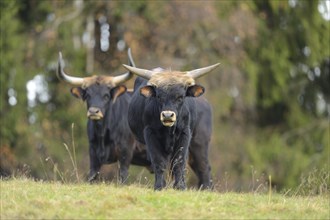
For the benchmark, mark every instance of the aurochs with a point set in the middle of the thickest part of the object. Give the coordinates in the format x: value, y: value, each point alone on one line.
x: 166, y: 115
x: 110, y: 138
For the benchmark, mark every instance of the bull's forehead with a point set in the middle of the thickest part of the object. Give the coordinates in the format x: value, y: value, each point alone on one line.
x: 171, y: 91
x: 97, y: 88
x: 168, y: 78
x: 97, y: 91
x: 97, y: 80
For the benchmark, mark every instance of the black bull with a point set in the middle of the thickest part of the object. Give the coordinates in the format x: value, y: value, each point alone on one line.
x: 165, y: 115
x: 110, y: 138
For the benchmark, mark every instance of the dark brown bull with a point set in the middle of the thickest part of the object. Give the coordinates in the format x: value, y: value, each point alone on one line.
x: 165, y: 114
x: 110, y: 138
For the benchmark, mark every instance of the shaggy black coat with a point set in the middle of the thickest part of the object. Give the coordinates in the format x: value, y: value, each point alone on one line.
x: 110, y: 138
x: 169, y: 146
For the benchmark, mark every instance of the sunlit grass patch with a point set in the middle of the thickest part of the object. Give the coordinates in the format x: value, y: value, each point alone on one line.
x: 25, y: 198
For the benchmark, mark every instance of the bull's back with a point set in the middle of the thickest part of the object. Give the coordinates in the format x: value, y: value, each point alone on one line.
x: 135, y: 111
x: 203, y: 125
x: 117, y: 124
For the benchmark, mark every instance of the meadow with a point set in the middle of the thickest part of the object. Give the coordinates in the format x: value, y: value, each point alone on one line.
x: 24, y: 198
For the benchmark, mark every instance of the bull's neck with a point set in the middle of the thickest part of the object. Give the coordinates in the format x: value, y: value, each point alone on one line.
x: 170, y: 140
x: 100, y: 126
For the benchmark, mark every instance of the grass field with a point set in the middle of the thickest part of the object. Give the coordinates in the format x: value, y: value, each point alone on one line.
x: 27, y: 199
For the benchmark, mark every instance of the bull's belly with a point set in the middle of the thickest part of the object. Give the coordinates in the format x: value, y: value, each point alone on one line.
x: 108, y: 155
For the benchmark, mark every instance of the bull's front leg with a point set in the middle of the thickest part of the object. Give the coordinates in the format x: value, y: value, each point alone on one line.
x: 178, y: 165
x: 94, y: 163
x: 157, y: 157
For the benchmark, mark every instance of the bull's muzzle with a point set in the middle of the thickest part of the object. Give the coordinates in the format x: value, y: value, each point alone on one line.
x: 94, y: 113
x: 168, y: 118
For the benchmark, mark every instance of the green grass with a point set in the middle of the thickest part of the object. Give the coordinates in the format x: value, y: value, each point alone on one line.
x: 27, y: 199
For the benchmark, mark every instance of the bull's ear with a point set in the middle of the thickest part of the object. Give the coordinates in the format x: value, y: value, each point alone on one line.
x: 195, y: 91
x: 147, y: 91
x: 117, y: 91
x: 78, y: 92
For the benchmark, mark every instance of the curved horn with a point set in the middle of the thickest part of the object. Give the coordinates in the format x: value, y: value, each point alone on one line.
x: 202, y: 71
x: 140, y: 72
x: 116, y: 80
x: 130, y: 58
x: 63, y: 76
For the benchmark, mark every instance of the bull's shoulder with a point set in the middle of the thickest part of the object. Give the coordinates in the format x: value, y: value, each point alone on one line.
x: 202, y: 102
x: 138, y: 83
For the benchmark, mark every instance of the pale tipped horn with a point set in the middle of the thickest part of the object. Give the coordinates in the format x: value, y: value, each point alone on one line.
x: 130, y: 58
x: 202, y: 71
x: 63, y: 76
x: 140, y: 72
x: 116, y: 80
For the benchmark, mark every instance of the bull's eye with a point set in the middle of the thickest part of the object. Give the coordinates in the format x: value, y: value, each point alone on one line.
x: 179, y: 99
x: 106, y: 97
x: 87, y: 96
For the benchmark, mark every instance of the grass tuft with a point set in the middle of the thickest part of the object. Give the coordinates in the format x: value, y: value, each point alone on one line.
x: 73, y: 158
x: 315, y: 182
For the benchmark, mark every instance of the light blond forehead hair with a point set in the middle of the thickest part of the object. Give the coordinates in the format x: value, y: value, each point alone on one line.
x: 169, y: 78
x: 101, y: 80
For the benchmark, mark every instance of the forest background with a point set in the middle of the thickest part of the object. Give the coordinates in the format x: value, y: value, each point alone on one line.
x: 270, y: 96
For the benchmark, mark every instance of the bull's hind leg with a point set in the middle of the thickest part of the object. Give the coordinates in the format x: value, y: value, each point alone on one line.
x: 126, y: 150
x: 123, y: 172
x: 199, y: 162
x: 125, y: 159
